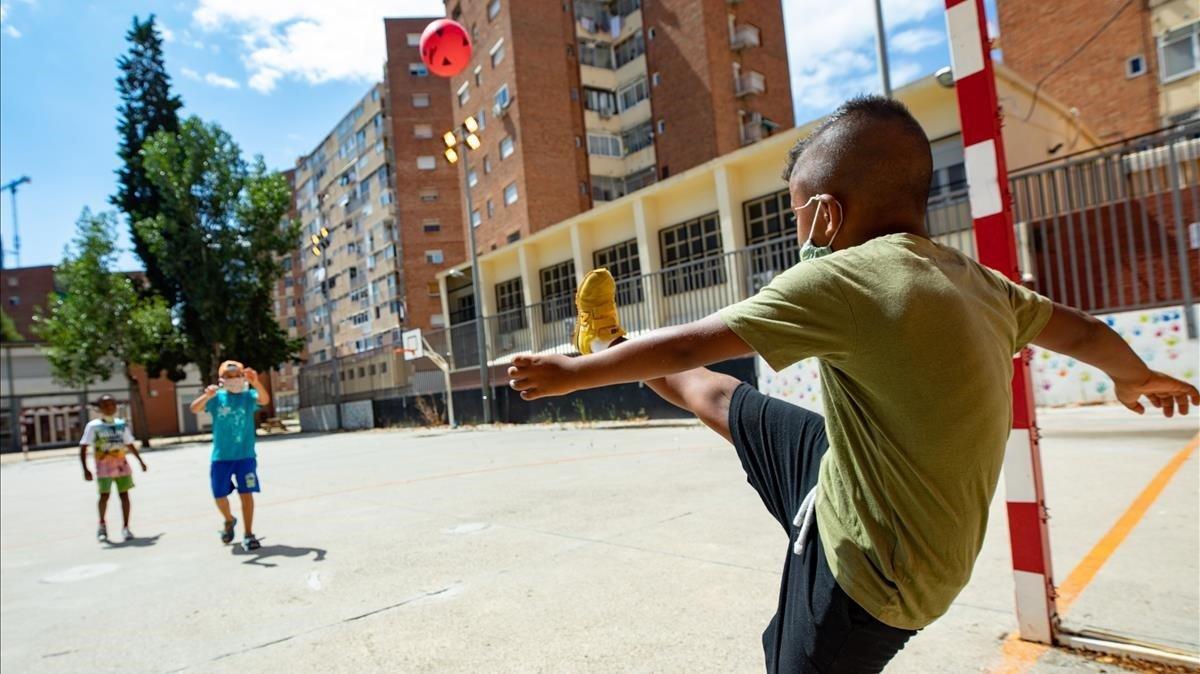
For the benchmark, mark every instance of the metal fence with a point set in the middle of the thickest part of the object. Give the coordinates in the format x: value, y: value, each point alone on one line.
x: 1107, y: 230
x: 1102, y: 231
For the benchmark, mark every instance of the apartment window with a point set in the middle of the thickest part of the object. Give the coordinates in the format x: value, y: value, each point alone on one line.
x: 1179, y: 52
x: 655, y: 79
x: 487, y: 164
x: 662, y: 126
x: 481, y: 118
x: 1135, y: 66
x: 431, y: 226
x: 632, y: 94
x: 510, y: 194
x: 464, y: 94
x: 476, y: 219
x: 420, y: 100
x: 629, y: 49
x: 428, y: 196
x: 506, y: 147
x: 604, y: 145
x: 418, y: 70
x: 491, y: 209
x: 497, y: 52
x: 472, y: 178
x: 422, y: 131
x: 509, y: 302
x: 493, y: 9
x: 650, y: 34
x: 501, y: 99
x: 602, y: 101
x: 413, y: 39
x: 595, y: 54
x: 638, y: 180
x: 691, y: 255
x: 623, y: 263
x: 432, y: 289
x: 433, y: 256
x: 558, y: 291
x: 513, y: 237
x: 426, y: 162
x: 637, y: 138
x: 478, y: 76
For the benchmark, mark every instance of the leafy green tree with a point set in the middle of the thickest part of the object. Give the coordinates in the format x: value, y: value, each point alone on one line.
x: 8, y: 329
x: 219, y: 233
x: 146, y: 108
x: 99, y: 323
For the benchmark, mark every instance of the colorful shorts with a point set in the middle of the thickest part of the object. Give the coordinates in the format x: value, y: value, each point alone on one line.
x: 223, y: 474
x: 124, y: 483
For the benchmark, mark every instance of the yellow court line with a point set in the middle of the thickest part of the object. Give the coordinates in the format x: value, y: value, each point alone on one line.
x: 1019, y: 655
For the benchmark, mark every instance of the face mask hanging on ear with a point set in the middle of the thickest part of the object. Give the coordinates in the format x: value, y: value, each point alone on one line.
x: 809, y: 250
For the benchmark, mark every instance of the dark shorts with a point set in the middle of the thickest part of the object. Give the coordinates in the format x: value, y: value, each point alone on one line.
x: 817, y: 627
x: 223, y: 474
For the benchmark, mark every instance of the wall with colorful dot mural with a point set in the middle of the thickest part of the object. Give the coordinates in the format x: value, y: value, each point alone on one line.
x: 1158, y: 336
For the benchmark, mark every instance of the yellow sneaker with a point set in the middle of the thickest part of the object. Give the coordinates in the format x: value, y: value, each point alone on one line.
x: 597, y: 323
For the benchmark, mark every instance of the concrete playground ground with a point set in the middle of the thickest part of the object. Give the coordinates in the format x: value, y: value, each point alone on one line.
x: 545, y: 549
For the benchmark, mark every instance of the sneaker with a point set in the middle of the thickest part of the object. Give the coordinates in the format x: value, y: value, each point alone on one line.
x: 227, y: 531
x: 250, y: 543
x: 102, y: 533
x: 597, y: 324
x: 126, y: 534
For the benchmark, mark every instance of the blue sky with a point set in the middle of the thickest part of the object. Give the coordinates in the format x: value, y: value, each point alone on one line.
x: 279, y: 74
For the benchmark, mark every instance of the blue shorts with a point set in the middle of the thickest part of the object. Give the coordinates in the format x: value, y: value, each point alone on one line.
x: 224, y: 473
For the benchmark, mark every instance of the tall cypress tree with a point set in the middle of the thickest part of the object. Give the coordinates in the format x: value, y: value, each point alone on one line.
x: 147, y: 107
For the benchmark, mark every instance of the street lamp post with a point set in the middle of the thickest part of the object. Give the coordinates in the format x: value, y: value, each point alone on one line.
x: 885, y: 77
x: 12, y: 186
x: 320, y: 244
x: 470, y: 141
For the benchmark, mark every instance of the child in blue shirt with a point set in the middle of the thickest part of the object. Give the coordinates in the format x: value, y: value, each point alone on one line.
x: 232, y: 406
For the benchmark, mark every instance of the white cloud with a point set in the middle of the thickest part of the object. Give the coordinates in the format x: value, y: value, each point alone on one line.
x: 314, y: 41
x: 190, y: 74
x: 915, y: 40
x: 831, y: 48
x: 221, y: 81
x: 167, y: 34
x: 12, y: 32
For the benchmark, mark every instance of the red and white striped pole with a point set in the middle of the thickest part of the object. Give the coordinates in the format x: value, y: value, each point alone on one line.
x: 991, y: 209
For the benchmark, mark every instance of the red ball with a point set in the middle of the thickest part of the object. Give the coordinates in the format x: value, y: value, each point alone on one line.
x: 445, y: 47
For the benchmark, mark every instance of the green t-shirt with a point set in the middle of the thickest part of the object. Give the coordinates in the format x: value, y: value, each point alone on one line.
x: 915, y: 343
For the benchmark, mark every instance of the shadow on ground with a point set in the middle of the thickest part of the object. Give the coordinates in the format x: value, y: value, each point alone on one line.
x: 258, y: 557
x: 139, y: 542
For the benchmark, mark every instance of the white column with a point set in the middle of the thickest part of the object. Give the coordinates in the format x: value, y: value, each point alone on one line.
x: 532, y: 291
x: 727, y: 185
x: 645, y: 224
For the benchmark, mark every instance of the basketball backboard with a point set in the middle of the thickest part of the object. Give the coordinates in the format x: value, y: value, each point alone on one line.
x: 414, y: 346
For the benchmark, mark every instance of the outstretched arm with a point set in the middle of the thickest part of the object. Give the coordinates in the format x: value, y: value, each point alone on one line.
x: 657, y: 354
x: 198, y: 404
x: 1084, y: 338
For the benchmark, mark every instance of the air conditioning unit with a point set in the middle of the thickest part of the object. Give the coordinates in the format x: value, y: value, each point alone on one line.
x: 498, y: 111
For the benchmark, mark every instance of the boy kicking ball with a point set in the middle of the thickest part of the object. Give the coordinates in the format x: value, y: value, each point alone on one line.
x: 885, y: 501
x: 232, y: 406
x: 110, y: 437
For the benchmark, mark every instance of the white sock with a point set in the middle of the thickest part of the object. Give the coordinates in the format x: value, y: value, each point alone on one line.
x: 599, y: 345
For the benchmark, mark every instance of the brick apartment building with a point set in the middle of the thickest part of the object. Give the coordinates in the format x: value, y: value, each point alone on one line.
x: 584, y: 102
x: 289, y: 312
x: 1131, y: 76
x: 428, y: 201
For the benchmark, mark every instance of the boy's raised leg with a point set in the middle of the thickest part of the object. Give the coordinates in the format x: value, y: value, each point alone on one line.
x: 702, y: 392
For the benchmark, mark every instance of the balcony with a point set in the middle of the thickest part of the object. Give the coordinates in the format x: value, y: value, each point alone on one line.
x: 752, y: 82
x: 752, y: 128
x: 744, y: 37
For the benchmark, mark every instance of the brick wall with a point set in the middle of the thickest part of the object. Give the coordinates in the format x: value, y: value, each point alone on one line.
x: 409, y: 182
x: 1037, y: 36
x: 22, y: 292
